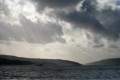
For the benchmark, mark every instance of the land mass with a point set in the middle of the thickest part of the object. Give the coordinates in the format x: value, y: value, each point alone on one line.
x: 13, y: 60
x: 112, y: 61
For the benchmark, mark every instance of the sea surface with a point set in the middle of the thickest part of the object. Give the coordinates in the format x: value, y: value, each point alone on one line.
x: 33, y: 72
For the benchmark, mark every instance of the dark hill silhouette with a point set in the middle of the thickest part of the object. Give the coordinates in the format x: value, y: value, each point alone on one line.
x: 13, y: 60
x: 113, y: 61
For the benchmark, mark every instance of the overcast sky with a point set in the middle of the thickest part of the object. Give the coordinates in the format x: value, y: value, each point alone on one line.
x: 77, y: 30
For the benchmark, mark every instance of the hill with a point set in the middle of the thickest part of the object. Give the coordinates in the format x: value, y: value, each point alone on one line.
x: 13, y: 60
x: 113, y: 61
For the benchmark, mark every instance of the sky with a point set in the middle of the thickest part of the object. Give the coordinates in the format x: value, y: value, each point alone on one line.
x: 78, y: 30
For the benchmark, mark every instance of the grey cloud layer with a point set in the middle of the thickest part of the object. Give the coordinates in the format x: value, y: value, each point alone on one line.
x: 105, y: 22
x: 56, y: 3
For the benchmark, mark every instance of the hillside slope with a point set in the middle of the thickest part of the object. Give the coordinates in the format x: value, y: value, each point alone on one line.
x: 13, y: 60
x: 113, y: 61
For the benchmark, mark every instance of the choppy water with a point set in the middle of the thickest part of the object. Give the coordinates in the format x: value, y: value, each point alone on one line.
x: 59, y: 73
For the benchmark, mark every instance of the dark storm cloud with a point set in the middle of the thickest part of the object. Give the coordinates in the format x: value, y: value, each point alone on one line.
x: 110, y: 21
x: 83, y: 20
x: 106, y: 22
x: 90, y: 18
x: 55, y: 3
